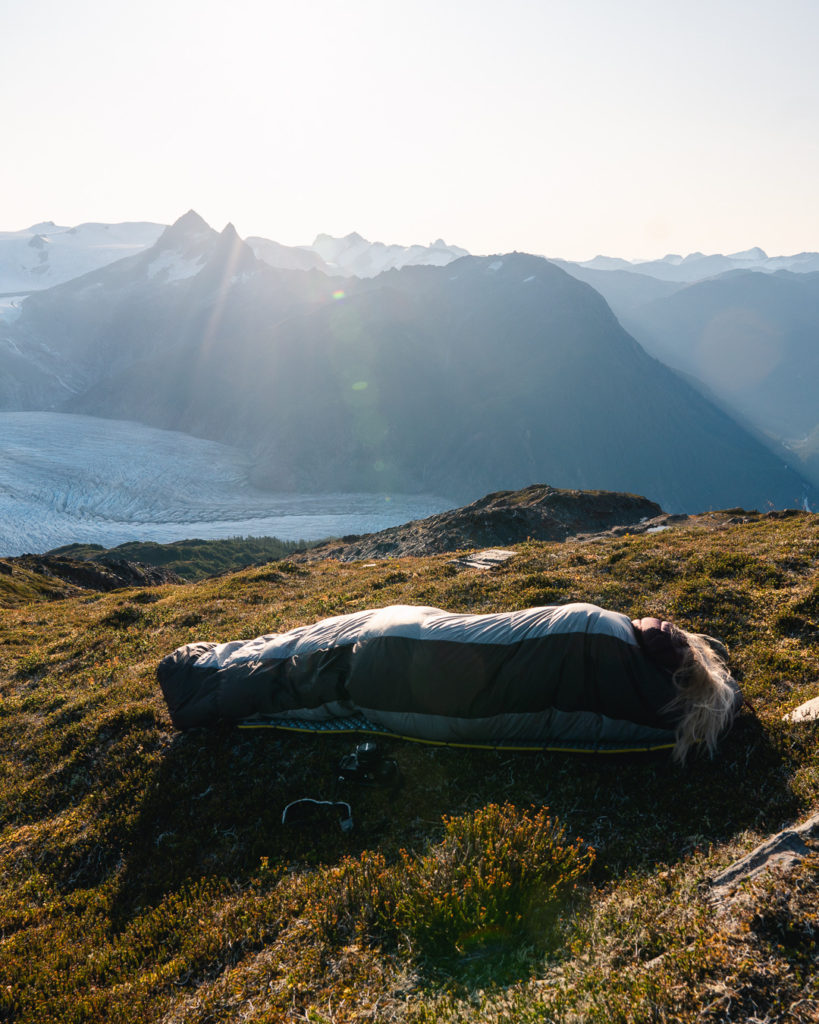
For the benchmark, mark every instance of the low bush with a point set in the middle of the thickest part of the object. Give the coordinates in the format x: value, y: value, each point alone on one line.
x: 497, y: 877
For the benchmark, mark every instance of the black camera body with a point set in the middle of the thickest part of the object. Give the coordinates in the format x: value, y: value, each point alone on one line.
x: 367, y: 766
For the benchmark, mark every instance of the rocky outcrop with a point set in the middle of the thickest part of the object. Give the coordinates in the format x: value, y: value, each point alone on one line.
x: 783, y: 850
x: 807, y: 712
x: 539, y: 512
x: 106, y: 574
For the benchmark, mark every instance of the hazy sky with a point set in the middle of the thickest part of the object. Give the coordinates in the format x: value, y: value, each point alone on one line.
x: 563, y: 128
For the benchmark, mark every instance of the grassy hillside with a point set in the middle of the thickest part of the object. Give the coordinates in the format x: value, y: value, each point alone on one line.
x: 20, y: 586
x: 147, y: 875
x: 193, y: 559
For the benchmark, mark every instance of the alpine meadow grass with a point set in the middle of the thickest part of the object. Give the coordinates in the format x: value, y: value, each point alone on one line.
x: 147, y: 875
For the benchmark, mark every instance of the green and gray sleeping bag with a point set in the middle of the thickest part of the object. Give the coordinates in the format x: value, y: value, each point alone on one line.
x: 563, y: 677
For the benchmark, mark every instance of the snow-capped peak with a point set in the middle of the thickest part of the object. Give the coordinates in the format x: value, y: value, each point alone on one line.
x: 47, y: 254
x: 189, y: 229
x: 190, y: 244
x: 756, y: 254
x: 355, y: 256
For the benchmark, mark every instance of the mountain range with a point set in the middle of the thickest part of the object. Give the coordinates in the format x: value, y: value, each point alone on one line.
x: 47, y: 254
x: 697, y: 265
x: 486, y: 373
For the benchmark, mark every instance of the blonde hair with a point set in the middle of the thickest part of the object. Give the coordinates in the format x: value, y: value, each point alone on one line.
x: 706, y: 698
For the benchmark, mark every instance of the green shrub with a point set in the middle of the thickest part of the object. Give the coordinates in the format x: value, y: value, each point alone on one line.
x: 809, y: 605
x: 194, y: 559
x: 31, y: 664
x: 495, y: 878
x: 121, y: 618
x: 788, y: 624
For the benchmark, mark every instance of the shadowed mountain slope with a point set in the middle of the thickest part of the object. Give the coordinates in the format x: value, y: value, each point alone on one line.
x: 751, y: 338
x: 624, y: 290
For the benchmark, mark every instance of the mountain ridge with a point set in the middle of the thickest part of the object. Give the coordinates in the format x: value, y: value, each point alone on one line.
x: 698, y: 265
x: 537, y: 512
x: 47, y: 254
x: 750, y: 339
x: 348, y: 255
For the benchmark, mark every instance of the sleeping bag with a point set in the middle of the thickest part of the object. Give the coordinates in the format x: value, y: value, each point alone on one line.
x: 562, y: 677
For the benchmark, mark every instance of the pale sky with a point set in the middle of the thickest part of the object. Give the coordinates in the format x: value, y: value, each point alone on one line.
x: 560, y: 127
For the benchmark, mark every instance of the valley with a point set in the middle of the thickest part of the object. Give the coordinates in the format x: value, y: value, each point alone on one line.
x: 485, y: 373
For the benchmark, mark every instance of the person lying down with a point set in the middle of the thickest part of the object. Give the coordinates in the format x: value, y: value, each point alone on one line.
x: 568, y: 677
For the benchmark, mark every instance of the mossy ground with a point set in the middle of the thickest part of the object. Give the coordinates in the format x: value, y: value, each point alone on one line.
x: 146, y: 875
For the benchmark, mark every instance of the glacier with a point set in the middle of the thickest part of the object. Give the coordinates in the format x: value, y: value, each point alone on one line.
x: 80, y: 479
x: 48, y: 254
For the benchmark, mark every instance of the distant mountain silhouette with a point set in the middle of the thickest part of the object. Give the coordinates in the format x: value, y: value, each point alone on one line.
x: 354, y: 255
x: 286, y: 257
x: 697, y: 265
x: 47, y: 254
x: 485, y: 374
x: 751, y: 338
x: 624, y: 290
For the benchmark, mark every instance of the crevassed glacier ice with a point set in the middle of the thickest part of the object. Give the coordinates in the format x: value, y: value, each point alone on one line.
x: 67, y: 479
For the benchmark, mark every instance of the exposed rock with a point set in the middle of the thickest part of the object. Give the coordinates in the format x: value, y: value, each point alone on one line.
x: 539, y: 512
x: 807, y: 712
x: 486, y: 559
x: 785, y: 850
x: 106, y: 574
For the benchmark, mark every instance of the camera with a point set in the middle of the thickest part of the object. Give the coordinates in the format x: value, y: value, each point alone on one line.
x: 367, y: 766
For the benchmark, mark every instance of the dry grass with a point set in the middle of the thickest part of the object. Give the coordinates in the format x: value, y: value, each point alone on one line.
x: 146, y: 875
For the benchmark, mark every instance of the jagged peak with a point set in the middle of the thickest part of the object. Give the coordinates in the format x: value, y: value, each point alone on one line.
x: 191, y: 221
x: 229, y: 249
x: 189, y: 229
